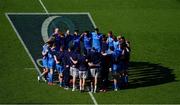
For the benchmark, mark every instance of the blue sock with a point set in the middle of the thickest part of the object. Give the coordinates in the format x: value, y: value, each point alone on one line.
x: 60, y: 84
x: 50, y: 77
x: 126, y: 79
x: 115, y: 86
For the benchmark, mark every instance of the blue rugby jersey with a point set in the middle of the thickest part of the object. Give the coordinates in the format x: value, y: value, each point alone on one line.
x: 96, y: 40
x: 45, y: 50
x: 87, y: 42
x: 116, y: 45
x: 51, y: 53
x: 110, y: 41
x: 76, y: 41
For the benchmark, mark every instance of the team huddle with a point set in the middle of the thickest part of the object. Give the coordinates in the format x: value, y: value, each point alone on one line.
x: 88, y: 58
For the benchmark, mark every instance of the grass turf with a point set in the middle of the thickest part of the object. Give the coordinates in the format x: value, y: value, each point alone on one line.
x: 151, y: 26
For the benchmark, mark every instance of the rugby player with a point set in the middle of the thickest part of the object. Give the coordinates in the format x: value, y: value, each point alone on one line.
x: 59, y: 57
x: 76, y: 40
x: 110, y: 39
x: 74, y: 71
x: 44, y: 61
x: 94, y: 64
x: 51, y: 63
x: 83, y: 71
x: 68, y: 40
x: 86, y: 38
x: 96, y: 39
x: 115, y: 67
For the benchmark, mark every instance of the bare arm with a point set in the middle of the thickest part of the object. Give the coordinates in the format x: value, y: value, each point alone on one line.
x: 74, y: 61
x: 55, y: 58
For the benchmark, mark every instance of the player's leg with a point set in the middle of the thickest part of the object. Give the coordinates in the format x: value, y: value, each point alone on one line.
x: 115, y: 76
x: 92, y: 72
x: 84, y: 76
x: 51, y: 66
x: 80, y: 80
x: 45, y: 69
x: 60, y: 70
x: 75, y: 71
x: 66, y: 75
x: 126, y: 73
x: 106, y: 74
x: 96, y: 79
x: 115, y: 84
x: 74, y: 79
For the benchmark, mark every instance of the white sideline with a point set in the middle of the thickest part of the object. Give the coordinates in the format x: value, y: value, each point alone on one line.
x: 91, y: 95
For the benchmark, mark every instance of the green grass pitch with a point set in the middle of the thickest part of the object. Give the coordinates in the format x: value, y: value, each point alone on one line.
x: 152, y: 26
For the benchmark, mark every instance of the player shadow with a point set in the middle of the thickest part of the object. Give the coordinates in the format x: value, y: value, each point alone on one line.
x: 142, y: 74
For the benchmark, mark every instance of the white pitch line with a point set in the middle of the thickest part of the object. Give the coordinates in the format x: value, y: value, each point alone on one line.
x: 93, y: 98
x: 30, y: 68
x: 43, y: 6
x: 91, y: 95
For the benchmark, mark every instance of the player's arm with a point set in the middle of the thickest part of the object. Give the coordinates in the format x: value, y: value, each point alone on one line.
x: 44, y: 52
x: 90, y: 64
x: 74, y: 61
x: 55, y: 58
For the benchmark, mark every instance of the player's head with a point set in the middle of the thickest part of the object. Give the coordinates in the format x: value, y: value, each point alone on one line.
x: 104, y: 38
x: 70, y: 48
x: 76, y: 32
x: 62, y: 48
x: 68, y: 32
x: 49, y: 43
x: 86, y: 33
x: 53, y: 45
x: 122, y: 39
x: 110, y: 33
x: 119, y: 37
x: 56, y: 30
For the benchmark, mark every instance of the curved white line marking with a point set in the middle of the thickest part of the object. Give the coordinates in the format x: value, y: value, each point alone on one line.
x: 44, y: 28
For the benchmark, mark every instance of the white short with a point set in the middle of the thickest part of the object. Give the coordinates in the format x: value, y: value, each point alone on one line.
x: 83, y: 74
x: 74, y: 71
x: 94, y: 72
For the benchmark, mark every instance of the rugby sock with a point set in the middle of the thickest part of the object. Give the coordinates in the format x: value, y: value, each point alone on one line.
x: 95, y: 87
x: 91, y: 88
x: 49, y: 77
x: 60, y: 84
x: 41, y: 75
x: 115, y: 86
x: 73, y: 86
x: 126, y: 79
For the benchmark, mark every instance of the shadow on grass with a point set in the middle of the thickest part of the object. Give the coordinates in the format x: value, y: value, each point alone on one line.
x: 143, y: 74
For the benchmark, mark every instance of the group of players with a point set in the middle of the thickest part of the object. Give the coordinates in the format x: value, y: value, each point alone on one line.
x: 90, y: 56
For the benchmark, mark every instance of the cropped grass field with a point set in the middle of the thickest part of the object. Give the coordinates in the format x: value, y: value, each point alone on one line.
x: 153, y: 28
